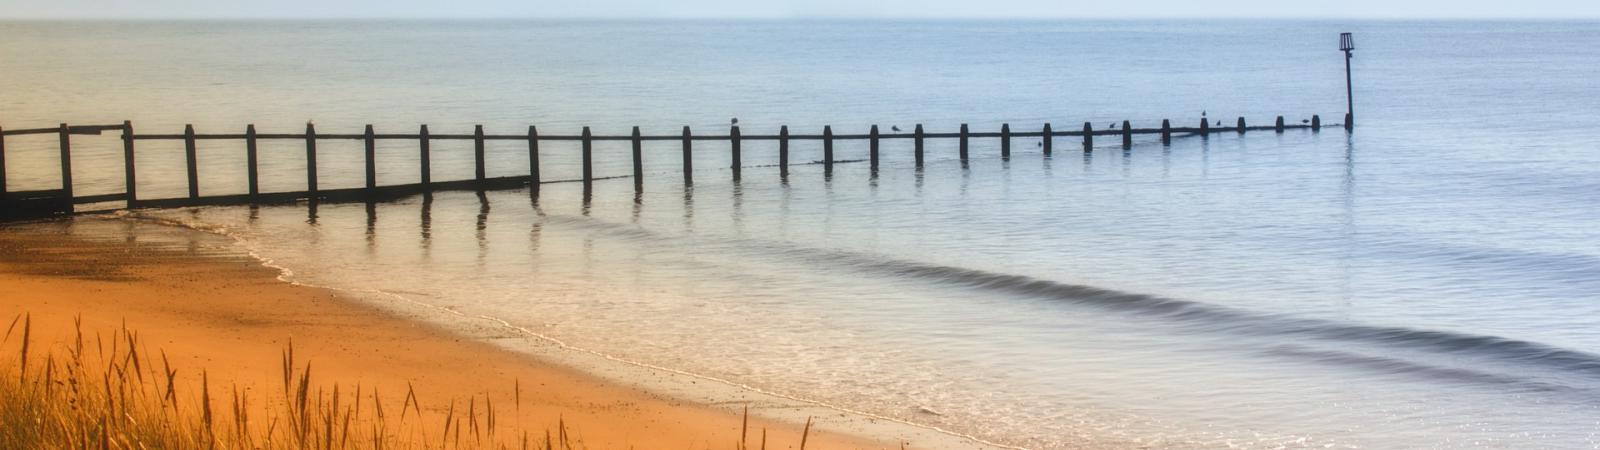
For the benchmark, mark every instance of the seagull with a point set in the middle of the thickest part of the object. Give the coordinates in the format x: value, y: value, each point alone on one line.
x: 1202, y: 113
x: 1219, y: 123
x: 735, y: 121
x: 1305, y: 120
x: 894, y: 128
x: 1113, y: 125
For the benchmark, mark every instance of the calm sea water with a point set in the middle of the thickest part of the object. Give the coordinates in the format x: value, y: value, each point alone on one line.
x: 1431, y: 281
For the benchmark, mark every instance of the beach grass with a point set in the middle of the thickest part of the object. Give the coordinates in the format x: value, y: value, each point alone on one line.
x: 113, y: 392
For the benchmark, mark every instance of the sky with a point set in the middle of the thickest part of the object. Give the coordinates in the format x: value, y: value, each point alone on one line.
x: 777, y: 9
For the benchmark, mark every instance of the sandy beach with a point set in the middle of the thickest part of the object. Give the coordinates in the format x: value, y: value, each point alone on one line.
x: 231, y: 317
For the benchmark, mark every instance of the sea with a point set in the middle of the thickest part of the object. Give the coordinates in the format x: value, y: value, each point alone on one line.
x: 1430, y: 279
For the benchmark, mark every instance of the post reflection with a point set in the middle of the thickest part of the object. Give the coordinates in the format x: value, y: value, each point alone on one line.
x: 482, y: 233
x: 372, y: 226
x: 425, y: 223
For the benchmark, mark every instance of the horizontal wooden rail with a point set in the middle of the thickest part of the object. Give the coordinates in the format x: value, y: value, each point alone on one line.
x: 60, y: 201
x: 699, y: 137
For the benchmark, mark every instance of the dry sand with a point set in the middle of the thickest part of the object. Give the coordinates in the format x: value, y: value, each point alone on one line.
x: 232, y: 317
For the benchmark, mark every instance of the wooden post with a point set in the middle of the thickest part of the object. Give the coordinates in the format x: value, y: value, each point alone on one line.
x: 963, y: 144
x: 918, y: 151
x: 1349, y: 122
x: 783, y: 151
x: 1278, y: 126
x: 372, y: 159
x: 872, y: 148
x: 1205, y: 127
x: 311, y: 159
x: 1127, y: 135
x: 733, y: 141
x: 2, y: 164
x: 1088, y: 137
x: 129, y: 175
x: 1241, y: 125
x: 1316, y: 123
x: 426, y: 152
x: 588, y: 157
x: 688, y: 157
x: 1048, y: 137
x: 827, y: 148
x: 66, y: 166
x: 191, y: 160
x: 1005, y: 141
x: 533, y: 158
x: 1166, y: 132
x: 479, y: 171
x: 251, y: 161
x: 638, y: 161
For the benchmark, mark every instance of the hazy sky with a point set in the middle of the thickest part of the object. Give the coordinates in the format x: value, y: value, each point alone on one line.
x: 795, y: 8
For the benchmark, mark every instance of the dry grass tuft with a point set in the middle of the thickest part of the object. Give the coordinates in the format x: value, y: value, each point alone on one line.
x: 119, y: 398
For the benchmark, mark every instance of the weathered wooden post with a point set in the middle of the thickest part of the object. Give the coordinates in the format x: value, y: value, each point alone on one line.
x: 872, y: 148
x: 129, y: 175
x: 372, y: 158
x: 66, y: 166
x: 963, y: 144
x: 1278, y: 126
x: 688, y: 157
x: 918, y: 152
x: 1241, y: 125
x: 311, y: 159
x: 1205, y: 128
x: 638, y: 161
x: 251, y: 161
x: 1005, y: 141
x: 827, y: 148
x: 1166, y: 132
x: 424, y: 146
x: 533, y: 158
x: 1127, y: 135
x: 2, y: 162
x: 1049, y: 138
x: 588, y: 158
x: 783, y: 152
x: 1088, y: 137
x: 191, y: 162
x: 733, y: 145
x: 1316, y: 122
x: 1347, y: 44
x: 479, y: 171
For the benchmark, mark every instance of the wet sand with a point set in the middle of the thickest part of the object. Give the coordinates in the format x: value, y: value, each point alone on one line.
x: 224, y: 313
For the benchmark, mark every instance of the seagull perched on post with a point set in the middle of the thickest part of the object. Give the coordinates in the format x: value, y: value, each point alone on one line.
x: 894, y: 128
x: 735, y: 121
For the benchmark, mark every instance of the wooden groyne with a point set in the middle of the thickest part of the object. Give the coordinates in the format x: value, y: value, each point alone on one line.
x: 24, y: 204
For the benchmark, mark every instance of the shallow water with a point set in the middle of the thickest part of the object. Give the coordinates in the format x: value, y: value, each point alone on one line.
x: 1429, y: 281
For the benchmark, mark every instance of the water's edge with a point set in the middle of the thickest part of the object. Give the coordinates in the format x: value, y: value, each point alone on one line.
x: 719, y: 394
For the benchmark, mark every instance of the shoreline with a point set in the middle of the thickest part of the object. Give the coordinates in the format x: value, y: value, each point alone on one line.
x: 670, y: 408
